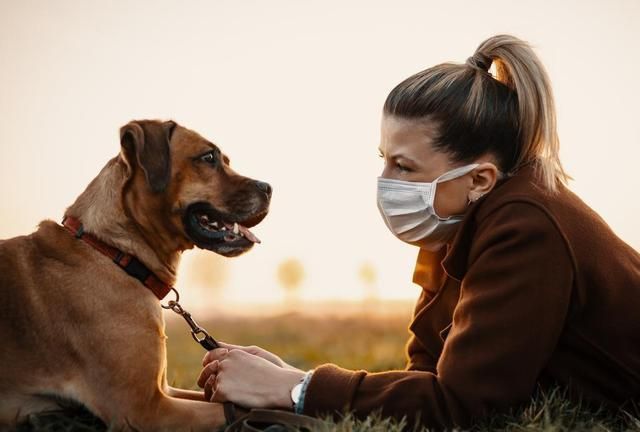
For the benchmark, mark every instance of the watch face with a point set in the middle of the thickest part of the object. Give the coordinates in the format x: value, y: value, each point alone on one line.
x: 295, y: 393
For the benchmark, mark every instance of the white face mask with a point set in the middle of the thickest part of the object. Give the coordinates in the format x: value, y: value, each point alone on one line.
x: 408, y: 210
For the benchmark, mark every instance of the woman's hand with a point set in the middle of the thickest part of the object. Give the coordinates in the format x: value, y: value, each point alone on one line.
x: 249, y: 380
x: 255, y: 350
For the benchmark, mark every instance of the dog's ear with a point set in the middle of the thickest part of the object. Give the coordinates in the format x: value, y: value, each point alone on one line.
x: 145, y: 144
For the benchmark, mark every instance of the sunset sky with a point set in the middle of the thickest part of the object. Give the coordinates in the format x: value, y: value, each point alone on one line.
x: 292, y: 91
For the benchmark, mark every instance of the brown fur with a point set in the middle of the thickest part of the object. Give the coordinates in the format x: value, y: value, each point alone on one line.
x: 75, y: 325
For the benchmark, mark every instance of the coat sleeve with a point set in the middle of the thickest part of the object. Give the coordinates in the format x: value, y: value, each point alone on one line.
x: 418, y: 356
x: 513, y: 302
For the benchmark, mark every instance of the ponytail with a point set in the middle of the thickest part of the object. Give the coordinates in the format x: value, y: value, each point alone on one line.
x: 511, y: 115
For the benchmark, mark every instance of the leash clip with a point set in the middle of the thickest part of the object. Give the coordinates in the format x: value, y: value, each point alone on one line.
x: 198, y: 334
x: 172, y: 302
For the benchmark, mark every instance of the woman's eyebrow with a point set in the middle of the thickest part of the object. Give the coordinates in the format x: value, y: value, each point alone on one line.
x: 405, y: 158
x: 399, y: 156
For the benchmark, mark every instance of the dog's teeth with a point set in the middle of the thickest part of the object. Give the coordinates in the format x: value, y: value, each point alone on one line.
x: 236, y: 230
x: 224, y: 228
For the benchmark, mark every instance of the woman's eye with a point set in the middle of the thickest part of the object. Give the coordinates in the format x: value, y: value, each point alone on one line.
x: 402, y: 168
x: 208, y: 158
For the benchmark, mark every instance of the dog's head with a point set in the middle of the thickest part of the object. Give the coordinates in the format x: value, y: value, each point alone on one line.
x: 181, y: 184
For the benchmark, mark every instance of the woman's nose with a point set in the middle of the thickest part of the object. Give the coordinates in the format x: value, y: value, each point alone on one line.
x: 264, y: 187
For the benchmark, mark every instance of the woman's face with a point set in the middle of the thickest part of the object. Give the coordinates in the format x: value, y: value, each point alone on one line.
x: 406, y: 146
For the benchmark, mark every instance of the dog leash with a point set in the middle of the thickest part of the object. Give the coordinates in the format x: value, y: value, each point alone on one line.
x: 199, y: 334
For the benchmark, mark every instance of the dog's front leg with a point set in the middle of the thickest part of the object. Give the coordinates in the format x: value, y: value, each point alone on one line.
x: 164, y: 414
x: 185, y: 394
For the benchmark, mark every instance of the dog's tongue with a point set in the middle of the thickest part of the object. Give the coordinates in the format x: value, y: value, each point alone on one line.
x: 246, y: 232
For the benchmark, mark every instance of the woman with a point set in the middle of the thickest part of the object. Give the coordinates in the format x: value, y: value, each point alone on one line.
x: 523, y: 284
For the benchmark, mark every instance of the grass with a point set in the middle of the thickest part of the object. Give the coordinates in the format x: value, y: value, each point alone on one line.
x: 353, y: 342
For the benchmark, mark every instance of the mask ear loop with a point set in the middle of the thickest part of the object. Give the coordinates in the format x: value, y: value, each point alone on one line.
x: 455, y: 173
x: 451, y: 175
x: 433, y: 201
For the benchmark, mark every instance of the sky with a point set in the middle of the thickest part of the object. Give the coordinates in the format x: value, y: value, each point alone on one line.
x: 292, y: 91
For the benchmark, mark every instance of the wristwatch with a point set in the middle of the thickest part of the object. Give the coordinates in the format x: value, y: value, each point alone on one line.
x: 296, y: 392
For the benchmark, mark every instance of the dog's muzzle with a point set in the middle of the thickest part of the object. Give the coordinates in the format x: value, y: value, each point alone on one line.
x: 225, y: 234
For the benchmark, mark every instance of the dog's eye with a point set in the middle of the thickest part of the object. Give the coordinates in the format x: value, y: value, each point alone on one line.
x: 208, y: 158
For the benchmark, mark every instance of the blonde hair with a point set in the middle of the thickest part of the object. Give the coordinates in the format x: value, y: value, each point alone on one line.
x: 511, y: 115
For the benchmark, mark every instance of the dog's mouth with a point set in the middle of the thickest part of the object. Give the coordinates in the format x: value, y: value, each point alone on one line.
x: 228, y: 235
x: 230, y: 232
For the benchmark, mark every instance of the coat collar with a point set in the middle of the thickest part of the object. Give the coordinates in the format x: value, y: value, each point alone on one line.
x: 453, y: 259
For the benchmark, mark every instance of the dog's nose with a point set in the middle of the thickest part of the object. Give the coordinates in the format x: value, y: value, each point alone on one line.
x: 264, y: 187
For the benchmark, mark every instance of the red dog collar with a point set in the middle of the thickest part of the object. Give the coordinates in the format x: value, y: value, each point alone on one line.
x: 129, y: 263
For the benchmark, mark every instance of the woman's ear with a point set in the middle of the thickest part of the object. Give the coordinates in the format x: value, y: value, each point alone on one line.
x: 483, y: 179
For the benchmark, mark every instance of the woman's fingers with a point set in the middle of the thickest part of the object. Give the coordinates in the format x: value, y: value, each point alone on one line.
x: 217, y: 392
x: 257, y: 351
x: 210, y: 387
x: 251, y: 349
x: 213, y: 391
x: 216, y: 354
x: 210, y: 370
x: 220, y: 353
x: 228, y: 345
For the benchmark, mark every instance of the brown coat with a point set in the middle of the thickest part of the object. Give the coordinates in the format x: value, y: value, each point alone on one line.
x: 533, y: 289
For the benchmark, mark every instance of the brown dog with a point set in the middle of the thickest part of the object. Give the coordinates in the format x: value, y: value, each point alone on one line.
x: 75, y: 326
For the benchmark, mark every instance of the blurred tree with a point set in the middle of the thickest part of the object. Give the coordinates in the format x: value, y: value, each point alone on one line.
x: 369, y: 277
x: 290, y: 275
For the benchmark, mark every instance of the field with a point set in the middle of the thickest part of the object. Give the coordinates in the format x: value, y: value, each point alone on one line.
x: 373, y: 343
x: 357, y: 341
